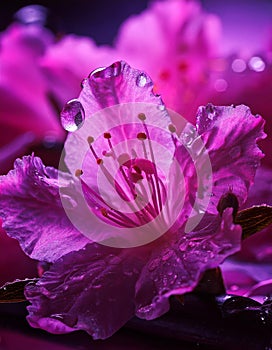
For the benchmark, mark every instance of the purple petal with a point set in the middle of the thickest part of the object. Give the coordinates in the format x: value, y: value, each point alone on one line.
x: 118, y: 83
x: 32, y: 211
x: 178, y: 269
x: 230, y: 135
x: 258, y: 247
x: 92, y: 290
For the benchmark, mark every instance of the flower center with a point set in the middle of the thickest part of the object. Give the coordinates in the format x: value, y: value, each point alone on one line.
x: 136, y: 191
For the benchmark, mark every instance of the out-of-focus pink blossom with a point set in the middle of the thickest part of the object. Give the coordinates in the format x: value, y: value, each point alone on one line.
x: 172, y: 41
x: 26, y: 114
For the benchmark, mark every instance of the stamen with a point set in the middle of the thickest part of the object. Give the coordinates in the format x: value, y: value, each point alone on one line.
x: 107, y: 135
x: 141, y: 136
x: 172, y: 128
x: 78, y: 172
x: 158, y: 193
x: 142, y: 116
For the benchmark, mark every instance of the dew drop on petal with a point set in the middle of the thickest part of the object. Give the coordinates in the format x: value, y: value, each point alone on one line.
x: 141, y: 80
x: 107, y: 72
x: 72, y: 115
x: 161, y: 107
x: 154, y: 264
x: 183, y: 245
x: 167, y: 255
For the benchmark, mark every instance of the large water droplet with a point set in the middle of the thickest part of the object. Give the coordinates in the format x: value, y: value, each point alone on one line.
x: 107, y: 72
x: 188, y: 135
x: 141, y: 80
x: 72, y: 115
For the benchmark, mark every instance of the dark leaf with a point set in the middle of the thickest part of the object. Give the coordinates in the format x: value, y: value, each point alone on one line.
x: 254, y: 219
x: 13, y: 292
x: 211, y: 283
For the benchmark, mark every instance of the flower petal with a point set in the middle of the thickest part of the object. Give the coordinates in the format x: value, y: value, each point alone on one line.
x: 230, y: 135
x: 179, y: 269
x: 92, y: 290
x: 32, y: 211
x: 23, y: 88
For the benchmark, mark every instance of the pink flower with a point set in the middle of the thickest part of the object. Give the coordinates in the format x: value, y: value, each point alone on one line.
x: 172, y: 41
x: 26, y: 115
x: 99, y: 287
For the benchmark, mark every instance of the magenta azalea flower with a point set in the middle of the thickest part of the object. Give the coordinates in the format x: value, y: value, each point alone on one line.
x: 99, y: 287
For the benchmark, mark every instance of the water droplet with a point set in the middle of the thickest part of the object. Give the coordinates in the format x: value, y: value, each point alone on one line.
x: 141, y: 80
x: 107, y: 72
x: 57, y: 316
x: 153, y: 264
x: 183, y: 245
x: 161, y: 107
x: 188, y: 135
x: 210, y: 111
x: 72, y: 115
x: 167, y: 254
x: 234, y: 288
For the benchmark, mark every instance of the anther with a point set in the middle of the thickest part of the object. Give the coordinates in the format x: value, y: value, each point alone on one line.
x: 107, y: 135
x: 172, y: 128
x: 141, y: 136
x: 99, y: 161
x: 90, y: 139
x: 142, y: 116
x: 104, y: 212
x: 78, y: 172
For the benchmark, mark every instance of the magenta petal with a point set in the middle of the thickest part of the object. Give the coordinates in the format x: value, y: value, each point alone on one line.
x: 178, y: 270
x: 32, y: 211
x: 91, y: 290
x: 230, y: 135
x: 118, y: 83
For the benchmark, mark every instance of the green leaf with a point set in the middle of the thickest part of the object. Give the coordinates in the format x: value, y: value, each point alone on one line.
x: 254, y: 219
x: 13, y: 292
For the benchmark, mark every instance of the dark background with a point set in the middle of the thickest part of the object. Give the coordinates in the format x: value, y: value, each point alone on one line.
x: 100, y: 19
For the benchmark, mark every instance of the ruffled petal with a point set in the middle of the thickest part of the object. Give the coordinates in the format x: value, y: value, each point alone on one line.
x: 245, y: 277
x: 32, y: 211
x: 178, y: 270
x: 230, y: 135
x: 92, y: 290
